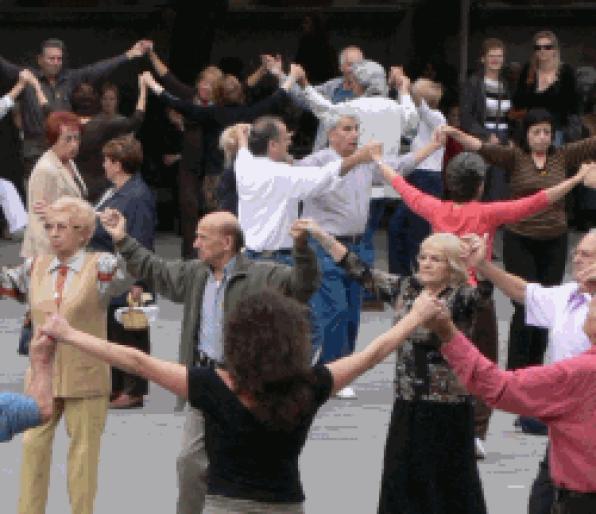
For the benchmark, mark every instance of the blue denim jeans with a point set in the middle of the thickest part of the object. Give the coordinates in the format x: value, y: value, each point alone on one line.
x: 407, y: 230
x: 18, y: 412
x: 336, y: 306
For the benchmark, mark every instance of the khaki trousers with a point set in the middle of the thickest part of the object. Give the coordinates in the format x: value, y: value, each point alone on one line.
x: 85, y: 421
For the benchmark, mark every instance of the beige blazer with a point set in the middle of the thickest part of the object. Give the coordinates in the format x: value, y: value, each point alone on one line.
x: 49, y: 180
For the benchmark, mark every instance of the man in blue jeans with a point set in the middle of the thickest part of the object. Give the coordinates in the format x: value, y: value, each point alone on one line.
x: 19, y: 412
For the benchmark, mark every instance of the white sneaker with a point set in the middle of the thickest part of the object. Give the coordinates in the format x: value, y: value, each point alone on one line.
x: 347, y: 393
x: 480, y: 451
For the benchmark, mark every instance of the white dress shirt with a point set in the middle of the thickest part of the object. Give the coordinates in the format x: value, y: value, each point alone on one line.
x: 381, y: 119
x: 6, y: 104
x: 344, y: 210
x: 563, y: 310
x: 430, y: 119
x: 268, y: 196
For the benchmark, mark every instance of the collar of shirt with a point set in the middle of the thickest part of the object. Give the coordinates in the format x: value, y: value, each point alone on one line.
x: 227, y: 271
x: 75, y: 263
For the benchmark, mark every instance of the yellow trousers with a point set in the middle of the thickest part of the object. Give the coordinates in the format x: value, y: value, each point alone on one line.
x: 85, y: 421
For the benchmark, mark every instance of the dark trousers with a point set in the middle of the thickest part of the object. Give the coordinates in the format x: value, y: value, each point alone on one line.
x: 188, y: 204
x: 535, y: 260
x: 542, y: 494
x: 123, y: 382
x: 407, y: 230
x: 486, y: 338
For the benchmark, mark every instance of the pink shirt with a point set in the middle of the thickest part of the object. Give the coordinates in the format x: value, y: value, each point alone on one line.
x: 562, y: 395
x: 471, y: 217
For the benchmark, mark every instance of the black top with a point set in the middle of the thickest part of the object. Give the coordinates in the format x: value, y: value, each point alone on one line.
x: 561, y: 98
x: 247, y: 459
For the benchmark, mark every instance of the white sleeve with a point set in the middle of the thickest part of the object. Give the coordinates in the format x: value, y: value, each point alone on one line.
x: 409, y: 114
x: 317, y: 103
x: 541, y: 305
x: 112, y: 278
x: 432, y: 117
x: 305, y: 182
x: 6, y: 104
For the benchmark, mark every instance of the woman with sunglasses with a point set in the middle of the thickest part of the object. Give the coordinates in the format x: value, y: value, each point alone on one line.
x: 546, y: 82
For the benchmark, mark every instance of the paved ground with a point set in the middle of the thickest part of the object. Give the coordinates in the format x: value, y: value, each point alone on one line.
x: 341, y: 463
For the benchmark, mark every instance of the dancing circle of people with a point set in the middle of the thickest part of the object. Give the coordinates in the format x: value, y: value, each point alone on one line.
x: 284, y: 255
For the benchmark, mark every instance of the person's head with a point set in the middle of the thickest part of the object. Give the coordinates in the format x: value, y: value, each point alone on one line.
x: 50, y: 58
x: 206, y: 82
x: 464, y: 177
x: 537, y: 131
x: 228, y: 90
x: 267, y: 352
x: 84, y: 100
x: 343, y: 134
x: 546, y: 49
x: 109, y: 99
x: 269, y: 137
x: 429, y: 91
x: 493, y: 54
x: 453, y: 117
x: 63, y: 134
x: 439, y: 261
x: 69, y: 224
x: 347, y: 58
x: 218, y: 238
x: 584, y: 254
x: 368, y: 79
x: 122, y: 155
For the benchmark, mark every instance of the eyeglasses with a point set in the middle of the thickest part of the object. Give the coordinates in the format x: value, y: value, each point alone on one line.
x: 543, y: 47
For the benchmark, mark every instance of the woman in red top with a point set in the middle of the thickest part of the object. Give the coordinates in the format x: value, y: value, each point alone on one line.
x: 465, y: 214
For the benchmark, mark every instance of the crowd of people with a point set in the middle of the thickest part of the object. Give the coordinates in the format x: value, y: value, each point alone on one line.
x: 277, y: 256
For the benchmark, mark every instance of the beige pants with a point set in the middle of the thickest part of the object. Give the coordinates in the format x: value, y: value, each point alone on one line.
x: 85, y: 421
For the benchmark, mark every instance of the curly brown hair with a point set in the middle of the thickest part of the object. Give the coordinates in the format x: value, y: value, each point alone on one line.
x: 267, y: 353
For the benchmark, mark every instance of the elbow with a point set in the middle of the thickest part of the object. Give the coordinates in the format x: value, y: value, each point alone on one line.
x: 46, y: 410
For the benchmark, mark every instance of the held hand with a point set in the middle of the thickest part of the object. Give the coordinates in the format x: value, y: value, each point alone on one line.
x: 589, y: 174
x: 40, y: 208
x: 440, y: 134
x: 375, y: 149
x: 426, y: 306
x: 26, y: 77
x: 42, y: 349
x: 114, y: 224
x: 242, y: 133
x: 441, y: 323
x: 404, y: 84
x: 310, y: 225
x: 473, y: 249
x: 56, y: 327
x: 299, y: 231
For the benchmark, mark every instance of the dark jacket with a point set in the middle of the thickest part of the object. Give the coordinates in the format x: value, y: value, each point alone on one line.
x: 184, y: 282
x: 472, y: 105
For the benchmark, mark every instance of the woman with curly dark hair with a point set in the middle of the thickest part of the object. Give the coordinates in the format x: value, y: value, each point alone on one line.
x: 258, y: 408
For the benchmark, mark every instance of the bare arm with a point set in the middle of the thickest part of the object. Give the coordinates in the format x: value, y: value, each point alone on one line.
x: 557, y: 192
x: 169, y: 375
x: 39, y: 94
x: 331, y: 245
x: 17, y: 89
x: 158, y: 65
x: 349, y: 368
x: 39, y: 382
x: 470, y: 143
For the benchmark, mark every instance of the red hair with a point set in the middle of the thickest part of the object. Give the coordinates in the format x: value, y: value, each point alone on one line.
x: 60, y: 119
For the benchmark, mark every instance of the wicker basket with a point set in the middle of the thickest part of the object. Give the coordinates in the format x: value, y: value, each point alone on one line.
x: 133, y: 319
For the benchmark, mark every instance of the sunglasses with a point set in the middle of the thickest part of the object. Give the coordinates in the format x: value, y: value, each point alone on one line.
x: 543, y: 47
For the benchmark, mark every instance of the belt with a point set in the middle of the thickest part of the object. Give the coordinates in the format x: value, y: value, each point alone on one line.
x: 561, y: 494
x: 346, y: 240
x: 203, y: 360
x: 270, y: 254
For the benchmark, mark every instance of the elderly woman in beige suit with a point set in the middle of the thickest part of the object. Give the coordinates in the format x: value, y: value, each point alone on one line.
x: 54, y: 175
x: 78, y: 285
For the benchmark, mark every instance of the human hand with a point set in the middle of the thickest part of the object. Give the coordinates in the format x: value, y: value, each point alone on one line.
x: 473, y: 249
x: 114, y: 223
x: 493, y: 139
x: 26, y: 77
x: 41, y: 349
x: 440, y: 134
x: 171, y: 158
x: 56, y: 327
x: 371, y: 151
x: 299, y: 231
x: 40, y: 208
x: 395, y: 75
x: 588, y: 173
x: 426, y: 306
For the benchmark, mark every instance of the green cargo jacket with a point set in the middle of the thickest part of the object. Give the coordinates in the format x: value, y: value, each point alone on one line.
x: 184, y: 282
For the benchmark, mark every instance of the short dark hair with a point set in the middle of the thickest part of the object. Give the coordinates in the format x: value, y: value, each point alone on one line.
x: 267, y: 352
x: 263, y: 130
x: 534, y: 117
x: 490, y: 44
x: 464, y: 175
x: 52, y: 43
x: 84, y: 100
x: 127, y: 151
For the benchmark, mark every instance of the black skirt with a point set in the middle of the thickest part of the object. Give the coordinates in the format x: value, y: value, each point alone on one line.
x: 430, y: 464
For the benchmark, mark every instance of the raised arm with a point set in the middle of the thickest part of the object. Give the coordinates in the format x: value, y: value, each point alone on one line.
x: 169, y: 278
x: 31, y: 79
x: 169, y: 375
x: 470, y: 143
x: 7, y: 101
x: 512, y: 286
x: 347, y: 369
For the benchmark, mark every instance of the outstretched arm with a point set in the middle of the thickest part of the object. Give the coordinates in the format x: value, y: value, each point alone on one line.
x: 349, y: 368
x: 169, y: 375
x: 470, y: 143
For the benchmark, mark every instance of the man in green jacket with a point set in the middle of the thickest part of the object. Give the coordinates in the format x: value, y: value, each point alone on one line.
x: 210, y: 288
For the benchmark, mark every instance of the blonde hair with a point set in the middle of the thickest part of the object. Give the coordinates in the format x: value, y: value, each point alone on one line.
x: 228, y: 144
x: 546, y: 34
x: 428, y: 90
x: 450, y: 245
x: 80, y: 215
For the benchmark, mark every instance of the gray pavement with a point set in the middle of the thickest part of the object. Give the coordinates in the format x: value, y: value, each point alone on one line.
x: 340, y: 465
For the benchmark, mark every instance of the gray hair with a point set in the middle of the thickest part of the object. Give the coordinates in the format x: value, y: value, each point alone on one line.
x: 371, y: 76
x: 464, y: 175
x: 332, y: 120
